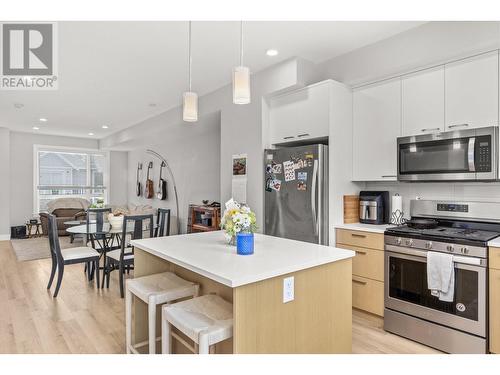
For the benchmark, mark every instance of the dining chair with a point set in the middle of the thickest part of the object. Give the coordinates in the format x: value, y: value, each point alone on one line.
x: 61, y: 258
x: 163, y: 222
x: 123, y: 258
x: 98, y: 241
x: 97, y: 217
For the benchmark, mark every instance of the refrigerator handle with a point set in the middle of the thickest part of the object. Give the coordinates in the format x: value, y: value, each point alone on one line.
x: 314, y: 196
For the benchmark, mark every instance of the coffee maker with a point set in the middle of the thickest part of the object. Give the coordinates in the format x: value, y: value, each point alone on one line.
x: 374, y: 207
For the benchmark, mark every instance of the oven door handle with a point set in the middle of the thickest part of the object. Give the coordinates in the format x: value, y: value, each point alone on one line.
x: 473, y: 261
x: 471, y: 154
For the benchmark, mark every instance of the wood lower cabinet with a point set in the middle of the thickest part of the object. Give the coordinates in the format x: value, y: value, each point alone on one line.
x: 494, y: 276
x: 367, y: 268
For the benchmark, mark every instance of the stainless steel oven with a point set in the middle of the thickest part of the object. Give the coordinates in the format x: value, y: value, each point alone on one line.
x: 455, y: 155
x: 456, y: 327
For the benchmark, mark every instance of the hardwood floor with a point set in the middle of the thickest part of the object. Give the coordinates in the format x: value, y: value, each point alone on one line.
x: 83, y: 319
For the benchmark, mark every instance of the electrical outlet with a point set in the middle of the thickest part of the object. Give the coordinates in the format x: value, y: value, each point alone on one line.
x: 288, y: 289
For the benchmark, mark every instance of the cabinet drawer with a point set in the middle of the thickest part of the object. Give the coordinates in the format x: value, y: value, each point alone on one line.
x: 368, y: 295
x: 494, y: 258
x: 360, y: 238
x: 495, y: 311
x: 367, y: 262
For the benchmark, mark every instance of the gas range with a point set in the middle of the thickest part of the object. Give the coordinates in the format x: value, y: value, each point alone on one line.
x: 462, y: 230
x: 460, y: 239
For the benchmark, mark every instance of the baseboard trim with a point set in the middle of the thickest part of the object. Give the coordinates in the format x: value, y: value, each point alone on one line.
x: 4, y: 237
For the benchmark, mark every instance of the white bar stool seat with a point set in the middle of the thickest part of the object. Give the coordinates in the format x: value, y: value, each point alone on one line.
x: 206, y: 320
x: 154, y: 290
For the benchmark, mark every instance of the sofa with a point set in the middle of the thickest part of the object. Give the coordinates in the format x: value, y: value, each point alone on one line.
x: 64, y: 209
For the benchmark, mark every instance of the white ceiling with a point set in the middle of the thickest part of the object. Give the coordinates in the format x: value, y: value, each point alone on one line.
x: 110, y: 72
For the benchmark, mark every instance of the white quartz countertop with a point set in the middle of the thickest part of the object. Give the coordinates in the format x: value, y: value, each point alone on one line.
x: 364, y: 227
x: 208, y: 254
x: 494, y: 242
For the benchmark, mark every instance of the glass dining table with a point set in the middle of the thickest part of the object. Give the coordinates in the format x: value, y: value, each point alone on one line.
x: 106, y: 236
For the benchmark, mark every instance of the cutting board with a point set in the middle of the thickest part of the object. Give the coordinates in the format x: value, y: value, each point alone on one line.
x: 351, y: 209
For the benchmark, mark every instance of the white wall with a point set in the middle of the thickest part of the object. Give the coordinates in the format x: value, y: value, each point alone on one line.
x: 427, y: 45
x: 4, y: 184
x: 21, y: 169
x: 193, y: 153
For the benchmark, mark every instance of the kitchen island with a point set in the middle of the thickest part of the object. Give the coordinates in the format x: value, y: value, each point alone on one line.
x: 317, y: 320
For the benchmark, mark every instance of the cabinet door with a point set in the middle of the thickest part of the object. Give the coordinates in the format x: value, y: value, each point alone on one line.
x: 471, y: 92
x: 377, y: 124
x: 303, y: 114
x: 423, y: 102
x: 494, y: 311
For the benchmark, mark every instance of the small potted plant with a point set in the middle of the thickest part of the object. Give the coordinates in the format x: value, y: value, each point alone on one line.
x: 239, y: 224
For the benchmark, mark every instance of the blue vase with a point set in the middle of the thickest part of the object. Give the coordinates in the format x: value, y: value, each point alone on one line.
x: 244, y: 243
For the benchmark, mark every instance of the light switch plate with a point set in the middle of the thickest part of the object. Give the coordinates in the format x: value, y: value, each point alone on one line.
x: 288, y: 289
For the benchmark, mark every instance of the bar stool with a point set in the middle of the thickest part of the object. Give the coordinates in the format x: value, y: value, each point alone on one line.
x: 154, y: 290
x: 207, y: 320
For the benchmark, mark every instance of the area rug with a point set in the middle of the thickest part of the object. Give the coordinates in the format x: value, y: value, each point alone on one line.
x: 38, y: 248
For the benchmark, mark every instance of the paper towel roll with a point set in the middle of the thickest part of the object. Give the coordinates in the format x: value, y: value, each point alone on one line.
x: 397, y: 209
x: 397, y: 203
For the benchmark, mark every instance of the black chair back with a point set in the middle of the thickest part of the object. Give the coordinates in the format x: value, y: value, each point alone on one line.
x: 97, y: 214
x: 138, y: 224
x: 163, y: 222
x: 55, y: 247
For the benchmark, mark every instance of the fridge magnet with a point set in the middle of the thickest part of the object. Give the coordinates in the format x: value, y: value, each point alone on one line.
x: 268, y: 184
x: 276, y: 168
x: 301, y: 186
x: 302, y: 176
x: 275, y: 184
x: 269, y: 157
x: 289, y: 170
x: 309, y: 156
x: 299, y: 164
x: 269, y: 168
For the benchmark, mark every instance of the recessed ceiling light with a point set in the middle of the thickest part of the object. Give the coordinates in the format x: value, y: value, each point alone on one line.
x: 105, y: 126
x: 43, y: 119
x: 36, y: 128
x: 152, y: 104
x: 271, y: 52
x: 91, y: 133
x: 18, y: 105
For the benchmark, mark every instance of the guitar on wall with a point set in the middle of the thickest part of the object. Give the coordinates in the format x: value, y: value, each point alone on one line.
x: 138, y: 189
x: 149, y: 191
x: 162, y: 185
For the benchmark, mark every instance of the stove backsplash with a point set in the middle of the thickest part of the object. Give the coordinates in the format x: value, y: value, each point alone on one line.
x: 465, y: 191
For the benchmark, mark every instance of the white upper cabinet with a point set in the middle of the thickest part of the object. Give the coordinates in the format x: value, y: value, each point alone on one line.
x: 423, y: 102
x: 376, y: 125
x: 471, y: 92
x: 300, y: 115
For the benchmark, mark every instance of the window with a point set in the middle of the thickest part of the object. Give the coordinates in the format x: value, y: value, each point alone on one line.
x: 69, y: 173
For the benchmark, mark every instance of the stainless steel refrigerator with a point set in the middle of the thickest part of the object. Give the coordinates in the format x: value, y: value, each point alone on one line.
x: 296, y: 193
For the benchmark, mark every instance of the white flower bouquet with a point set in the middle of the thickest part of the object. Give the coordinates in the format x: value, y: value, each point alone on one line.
x: 237, y: 218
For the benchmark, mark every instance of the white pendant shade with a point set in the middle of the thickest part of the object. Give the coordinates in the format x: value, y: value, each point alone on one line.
x: 241, y: 85
x: 190, y: 107
x: 190, y: 98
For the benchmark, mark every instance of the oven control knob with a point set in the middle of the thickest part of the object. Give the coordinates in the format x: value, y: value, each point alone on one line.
x: 450, y: 248
x: 399, y: 241
x: 464, y: 250
x: 409, y: 243
x: 428, y: 245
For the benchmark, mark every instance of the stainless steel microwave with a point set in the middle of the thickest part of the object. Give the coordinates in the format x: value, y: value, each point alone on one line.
x: 465, y: 155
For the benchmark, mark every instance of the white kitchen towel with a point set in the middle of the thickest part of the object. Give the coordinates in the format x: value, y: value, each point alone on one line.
x: 441, y: 275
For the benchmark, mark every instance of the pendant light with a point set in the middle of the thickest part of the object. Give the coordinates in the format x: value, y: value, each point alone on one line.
x: 190, y: 98
x: 241, y: 77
